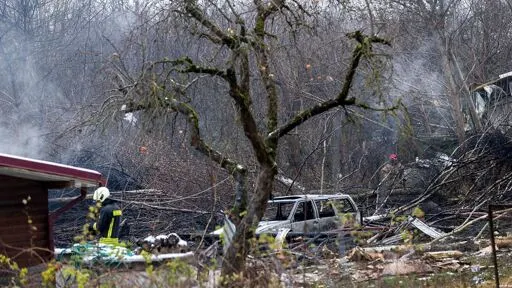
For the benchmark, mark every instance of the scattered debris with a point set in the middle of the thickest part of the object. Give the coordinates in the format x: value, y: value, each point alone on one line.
x: 449, y: 264
x: 423, y: 227
x: 503, y: 242
x: 454, y: 244
x: 281, y: 237
x: 393, y: 234
x: 91, y: 253
x: 327, y: 254
x: 401, y: 267
x: 359, y: 254
x: 484, y: 251
x: 162, y: 244
x: 440, y: 255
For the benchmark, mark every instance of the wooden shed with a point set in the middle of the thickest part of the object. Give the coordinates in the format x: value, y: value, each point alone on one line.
x: 26, y: 225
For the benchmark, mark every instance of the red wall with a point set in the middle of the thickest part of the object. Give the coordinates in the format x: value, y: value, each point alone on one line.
x: 15, y: 232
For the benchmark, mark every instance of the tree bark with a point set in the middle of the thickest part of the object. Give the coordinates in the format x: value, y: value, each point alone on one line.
x: 471, y: 105
x: 453, y: 96
x: 234, y: 260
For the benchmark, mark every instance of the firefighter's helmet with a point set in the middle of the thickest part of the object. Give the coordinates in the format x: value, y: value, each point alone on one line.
x: 101, y: 194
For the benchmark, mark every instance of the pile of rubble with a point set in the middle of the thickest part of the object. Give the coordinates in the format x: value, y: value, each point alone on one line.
x: 368, y: 264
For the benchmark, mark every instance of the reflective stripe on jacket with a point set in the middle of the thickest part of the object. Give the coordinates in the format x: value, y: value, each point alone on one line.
x: 109, y: 220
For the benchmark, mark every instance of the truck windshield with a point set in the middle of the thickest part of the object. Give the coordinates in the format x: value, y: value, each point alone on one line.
x: 278, y: 211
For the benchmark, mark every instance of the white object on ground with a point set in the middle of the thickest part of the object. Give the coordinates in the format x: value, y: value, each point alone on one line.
x: 281, y: 237
x: 423, y: 227
x: 109, y: 253
x: 181, y: 242
x: 150, y: 239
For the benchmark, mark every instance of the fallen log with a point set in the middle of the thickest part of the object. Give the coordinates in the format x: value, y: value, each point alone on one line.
x: 440, y: 255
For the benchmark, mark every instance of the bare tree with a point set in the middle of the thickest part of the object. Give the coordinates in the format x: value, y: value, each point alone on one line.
x: 242, y: 37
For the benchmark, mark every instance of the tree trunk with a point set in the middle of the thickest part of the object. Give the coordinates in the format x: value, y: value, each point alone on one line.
x: 453, y: 96
x: 471, y: 105
x: 240, y: 196
x: 234, y: 260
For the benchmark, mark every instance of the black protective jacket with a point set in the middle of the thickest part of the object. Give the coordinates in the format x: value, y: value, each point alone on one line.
x: 109, y: 220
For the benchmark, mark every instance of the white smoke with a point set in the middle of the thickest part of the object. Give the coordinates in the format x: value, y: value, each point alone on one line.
x: 419, y: 82
x: 26, y: 141
x: 22, y: 119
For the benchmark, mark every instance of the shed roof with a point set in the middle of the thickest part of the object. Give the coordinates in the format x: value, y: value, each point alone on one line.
x: 51, y: 172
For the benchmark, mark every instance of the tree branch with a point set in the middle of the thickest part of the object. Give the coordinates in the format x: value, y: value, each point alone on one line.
x: 196, y: 140
x: 363, y: 47
x: 264, y: 67
x: 189, y: 67
x: 232, y: 41
x: 243, y: 102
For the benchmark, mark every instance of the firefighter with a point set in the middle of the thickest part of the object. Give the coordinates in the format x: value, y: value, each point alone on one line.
x: 390, y: 176
x: 391, y: 169
x: 108, y: 225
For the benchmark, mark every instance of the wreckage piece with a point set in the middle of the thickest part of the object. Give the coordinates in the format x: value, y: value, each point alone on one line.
x: 281, y: 237
x: 395, y: 232
x: 227, y: 232
x: 423, y: 227
x: 375, y: 218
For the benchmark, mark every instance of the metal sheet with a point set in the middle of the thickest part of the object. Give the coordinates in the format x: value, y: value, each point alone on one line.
x: 423, y: 227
